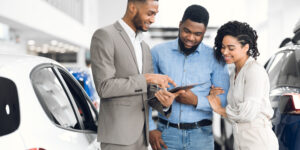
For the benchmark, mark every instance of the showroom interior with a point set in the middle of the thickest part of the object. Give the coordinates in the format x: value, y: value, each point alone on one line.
x: 53, y: 26
x: 62, y: 30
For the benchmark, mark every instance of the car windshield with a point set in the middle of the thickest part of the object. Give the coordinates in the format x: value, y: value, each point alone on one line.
x: 285, y: 69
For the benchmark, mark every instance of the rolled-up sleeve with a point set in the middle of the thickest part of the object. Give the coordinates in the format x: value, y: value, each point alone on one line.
x: 219, y: 78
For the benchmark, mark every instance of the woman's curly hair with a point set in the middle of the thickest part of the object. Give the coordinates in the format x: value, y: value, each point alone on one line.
x: 244, y: 34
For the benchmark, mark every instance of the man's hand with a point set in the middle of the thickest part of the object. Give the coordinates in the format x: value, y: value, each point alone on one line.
x: 161, y: 80
x: 156, y: 140
x: 166, y: 98
x: 188, y: 98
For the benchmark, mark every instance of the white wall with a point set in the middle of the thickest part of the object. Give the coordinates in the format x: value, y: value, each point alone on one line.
x: 12, y: 48
x: 111, y: 10
x: 273, y: 19
x: 282, y: 18
x: 41, y: 16
x: 92, y: 14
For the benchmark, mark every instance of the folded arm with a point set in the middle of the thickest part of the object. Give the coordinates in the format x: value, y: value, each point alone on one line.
x: 220, y: 79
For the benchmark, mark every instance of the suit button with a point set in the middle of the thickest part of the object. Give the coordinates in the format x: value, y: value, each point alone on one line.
x: 138, y: 90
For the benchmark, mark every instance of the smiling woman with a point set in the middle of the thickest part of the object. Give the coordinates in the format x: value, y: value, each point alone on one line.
x: 249, y: 108
x: 243, y: 36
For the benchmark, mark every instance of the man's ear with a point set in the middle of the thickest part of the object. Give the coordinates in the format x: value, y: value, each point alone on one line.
x: 132, y: 8
x: 180, y: 23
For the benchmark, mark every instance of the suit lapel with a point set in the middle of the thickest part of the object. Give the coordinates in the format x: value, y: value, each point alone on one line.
x: 127, y: 41
x: 144, y: 48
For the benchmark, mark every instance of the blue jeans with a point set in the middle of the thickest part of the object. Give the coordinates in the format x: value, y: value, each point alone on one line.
x: 191, y: 139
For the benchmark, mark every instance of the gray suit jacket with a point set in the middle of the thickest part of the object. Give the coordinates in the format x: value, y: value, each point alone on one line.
x: 123, y: 91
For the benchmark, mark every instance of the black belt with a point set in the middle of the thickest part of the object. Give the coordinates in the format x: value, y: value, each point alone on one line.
x: 194, y: 125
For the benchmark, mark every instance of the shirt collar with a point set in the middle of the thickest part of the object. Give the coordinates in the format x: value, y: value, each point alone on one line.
x: 130, y: 32
x: 250, y: 59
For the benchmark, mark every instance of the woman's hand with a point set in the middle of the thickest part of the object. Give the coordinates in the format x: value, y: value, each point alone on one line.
x: 216, y: 91
x: 216, y: 105
x: 215, y: 101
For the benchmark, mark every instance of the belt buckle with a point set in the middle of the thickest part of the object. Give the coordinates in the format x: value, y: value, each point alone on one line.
x: 178, y: 125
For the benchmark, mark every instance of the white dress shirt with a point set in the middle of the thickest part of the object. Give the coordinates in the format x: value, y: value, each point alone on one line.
x: 248, y: 95
x: 136, y: 40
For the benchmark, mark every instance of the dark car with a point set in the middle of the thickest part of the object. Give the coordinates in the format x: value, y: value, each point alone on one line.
x: 284, y: 74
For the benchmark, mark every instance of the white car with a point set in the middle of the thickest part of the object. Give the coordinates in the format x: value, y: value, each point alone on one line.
x: 42, y: 107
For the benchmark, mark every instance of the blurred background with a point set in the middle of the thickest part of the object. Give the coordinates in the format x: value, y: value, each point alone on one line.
x: 62, y: 29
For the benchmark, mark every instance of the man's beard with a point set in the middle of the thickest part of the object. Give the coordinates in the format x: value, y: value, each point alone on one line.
x: 187, y: 51
x: 137, y: 22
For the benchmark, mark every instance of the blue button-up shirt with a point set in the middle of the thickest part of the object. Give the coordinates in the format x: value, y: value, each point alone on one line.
x: 198, y: 67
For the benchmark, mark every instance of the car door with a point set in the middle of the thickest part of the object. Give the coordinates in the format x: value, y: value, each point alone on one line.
x: 87, y: 111
x: 67, y: 106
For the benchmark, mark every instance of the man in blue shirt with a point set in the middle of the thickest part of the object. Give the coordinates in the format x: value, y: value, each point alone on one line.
x: 188, y: 61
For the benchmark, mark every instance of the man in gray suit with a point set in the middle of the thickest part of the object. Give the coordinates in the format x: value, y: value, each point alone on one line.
x: 122, y: 71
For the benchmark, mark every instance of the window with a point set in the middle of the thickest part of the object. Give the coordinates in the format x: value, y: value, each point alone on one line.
x: 83, y: 103
x: 274, y: 68
x: 9, y: 107
x: 285, y: 69
x: 54, y: 98
x: 290, y: 72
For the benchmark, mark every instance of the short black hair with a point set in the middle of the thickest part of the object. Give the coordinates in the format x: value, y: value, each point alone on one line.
x: 244, y: 34
x: 196, y: 13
